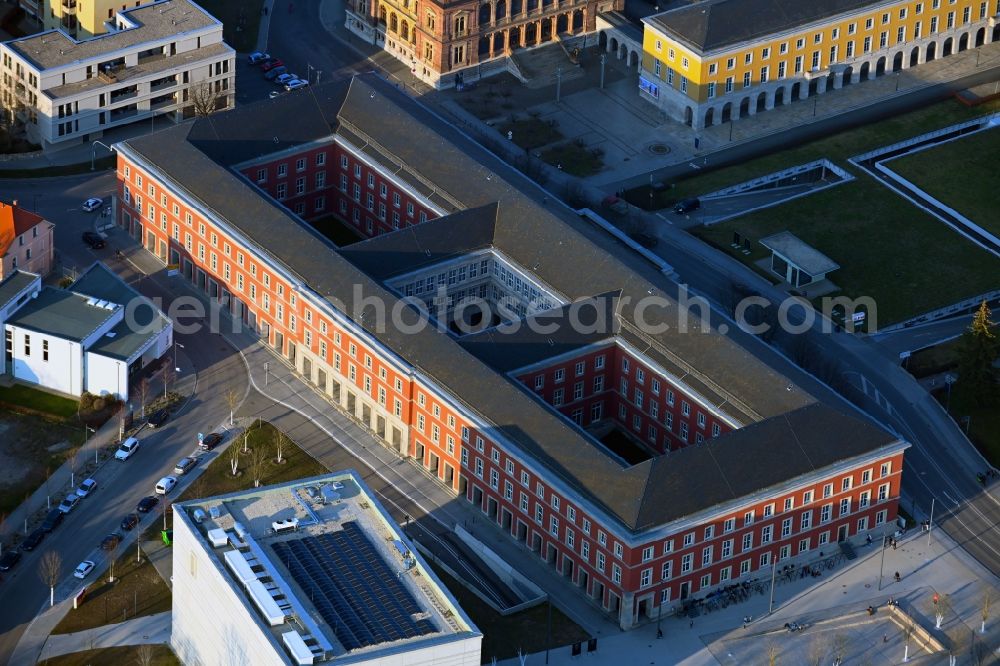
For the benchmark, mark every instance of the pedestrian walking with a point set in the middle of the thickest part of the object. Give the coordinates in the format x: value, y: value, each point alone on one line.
x: 868, y: 539
x: 894, y: 544
x: 691, y: 624
x: 885, y: 638
x: 897, y: 577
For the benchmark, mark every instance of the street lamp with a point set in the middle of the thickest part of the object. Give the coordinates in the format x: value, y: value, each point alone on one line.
x: 87, y: 431
x: 176, y: 345
x: 949, y: 379
x: 93, y: 151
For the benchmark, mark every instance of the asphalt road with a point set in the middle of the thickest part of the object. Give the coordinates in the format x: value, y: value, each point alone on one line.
x: 122, y: 485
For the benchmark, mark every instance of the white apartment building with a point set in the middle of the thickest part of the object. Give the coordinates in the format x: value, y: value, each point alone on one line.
x: 93, y: 336
x: 162, y: 59
x: 307, y: 572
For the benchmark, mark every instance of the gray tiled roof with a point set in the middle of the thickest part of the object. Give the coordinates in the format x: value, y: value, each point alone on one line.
x: 142, y: 322
x: 14, y: 284
x: 518, y: 218
x: 157, y: 22
x: 716, y: 24
x: 60, y: 313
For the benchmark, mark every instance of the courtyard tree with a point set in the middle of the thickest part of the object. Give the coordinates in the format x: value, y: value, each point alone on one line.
x: 142, y: 393
x: 169, y: 376
x: 144, y: 655
x: 839, y: 649
x: 258, y: 462
x: 50, y: 571
x: 206, y: 99
x: 234, y: 459
x: 984, y: 610
x: 232, y: 401
x: 280, y: 443
x: 940, y: 606
x: 978, y: 351
x: 112, y: 554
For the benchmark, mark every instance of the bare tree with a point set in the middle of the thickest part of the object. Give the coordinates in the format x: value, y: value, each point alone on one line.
x: 233, y: 398
x: 144, y: 655
x: 840, y: 644
x: 817, y: 651
x: 984, y: 610
x: 940, y: 605
x: 142, y: 392
x: 772, y: 653
x: 280, y: 441
x: 234, y: 459
x: 168, y: 376
x: 205, y: 98
x: 907, y: 635
x: 112, y: 555
x: 258, y: 459
x: 50, y: 571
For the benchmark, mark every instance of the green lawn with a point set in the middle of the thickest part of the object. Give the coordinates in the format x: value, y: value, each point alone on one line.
x: 888, y: 249
x: 531, y: 133
x: 961, y: 174
x: 138, y: 590
x: 984, y: 424
x: 240, y: 20
x: 933, y: 360
x: 115, y: 656
x: 574, y: 159
x: 19, y: 395
x: 504, y: 635
x: 217, y: 478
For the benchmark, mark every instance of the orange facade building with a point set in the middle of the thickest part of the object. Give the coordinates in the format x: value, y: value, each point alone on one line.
x: 647, y: 465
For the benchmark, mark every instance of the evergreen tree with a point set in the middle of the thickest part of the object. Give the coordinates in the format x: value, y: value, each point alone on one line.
x: 979, y: 349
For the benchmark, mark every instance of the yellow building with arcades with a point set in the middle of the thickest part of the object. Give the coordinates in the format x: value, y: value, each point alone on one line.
x: 719, y: 60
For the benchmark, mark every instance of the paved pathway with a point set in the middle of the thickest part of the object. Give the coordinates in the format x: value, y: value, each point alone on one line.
x: 149, y: 629
x: 838, y: 599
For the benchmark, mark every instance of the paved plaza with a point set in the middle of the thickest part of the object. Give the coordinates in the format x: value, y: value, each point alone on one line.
x: 833, y: 609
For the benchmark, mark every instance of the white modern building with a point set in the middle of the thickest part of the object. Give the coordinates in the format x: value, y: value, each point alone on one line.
x: 93, y: 336
x: 162, y: 59
x: 312, y: 571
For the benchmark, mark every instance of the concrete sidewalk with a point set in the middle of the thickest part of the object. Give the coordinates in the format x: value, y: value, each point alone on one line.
x: 835, y: 603
x: 149, y: 629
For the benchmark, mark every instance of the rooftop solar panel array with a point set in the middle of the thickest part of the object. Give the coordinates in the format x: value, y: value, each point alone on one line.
x: 352, y: 588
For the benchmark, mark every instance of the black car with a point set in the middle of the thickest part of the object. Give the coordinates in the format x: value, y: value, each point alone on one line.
x: 210, y: 441
x: 10, y: 557
x: 33, y: 539
x: 645, y: 240
x: 111, y: 541
x: 146, y: 504
x: 687, y: 205
x: 52, y: 520
x: 93, y: 240
x: 158, y: 418
x: 130, y: 521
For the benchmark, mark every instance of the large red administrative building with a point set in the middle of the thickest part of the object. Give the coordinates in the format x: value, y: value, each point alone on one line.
x: 645, y: 464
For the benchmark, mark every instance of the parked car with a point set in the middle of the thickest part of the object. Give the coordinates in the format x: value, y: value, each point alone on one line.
x: 92, y: 204
x: 185, y: 465
x: 127, y: 449
x: 52, y: 519
x: 146, y: 504
x: 295, y: 85
x: 10, y: 557
x: 165, y: 485
x: 130, y: 521
x: 87, y: 487
x: 33, y: 539
x: 83, y: 569
x: 645, y: 240
x: 210, y: 441
x: 275, y: 93
x: 271, y: 64
x: 257, y: 58
x: 69, y: 503
x: 275, y: 73
x: 111, y: 541
x: 94, y: 241
x: 687, y: 205
x: 282, y: 79
x: 158, y: 418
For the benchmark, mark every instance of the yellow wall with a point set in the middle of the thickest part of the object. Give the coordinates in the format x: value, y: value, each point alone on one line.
x: 699, y: 76
x: 90, y: 14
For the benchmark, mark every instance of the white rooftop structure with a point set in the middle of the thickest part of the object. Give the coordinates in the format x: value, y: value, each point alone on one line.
x: 308, y: 572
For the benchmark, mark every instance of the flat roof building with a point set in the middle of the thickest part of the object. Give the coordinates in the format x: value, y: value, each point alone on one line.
x: 311, y: 571
x: 162, y: 59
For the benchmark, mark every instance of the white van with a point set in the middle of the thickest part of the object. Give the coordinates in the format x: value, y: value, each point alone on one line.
x: 165, y: 485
